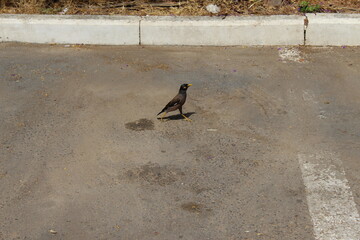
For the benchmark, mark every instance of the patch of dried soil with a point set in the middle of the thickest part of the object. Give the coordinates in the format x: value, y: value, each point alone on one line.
x: 178, y: 8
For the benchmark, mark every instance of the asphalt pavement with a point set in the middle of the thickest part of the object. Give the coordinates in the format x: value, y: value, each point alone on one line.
x: 272, y: 151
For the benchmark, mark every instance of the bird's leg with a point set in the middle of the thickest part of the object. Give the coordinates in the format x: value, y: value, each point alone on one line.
x: 162, y: 116
x: 186, y: 118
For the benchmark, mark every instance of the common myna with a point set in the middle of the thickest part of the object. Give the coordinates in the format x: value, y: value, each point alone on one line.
x: 177, y: 102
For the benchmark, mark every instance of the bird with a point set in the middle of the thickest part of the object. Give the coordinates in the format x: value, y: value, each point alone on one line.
x: 177, y: 102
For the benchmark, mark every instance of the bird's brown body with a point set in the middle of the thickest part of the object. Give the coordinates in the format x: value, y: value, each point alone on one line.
x: 177, y: 102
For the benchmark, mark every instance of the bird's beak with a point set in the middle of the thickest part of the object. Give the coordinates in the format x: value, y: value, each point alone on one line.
x: 189, y: 85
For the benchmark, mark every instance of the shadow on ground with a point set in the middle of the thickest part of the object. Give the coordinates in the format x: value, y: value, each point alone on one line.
x: 177, y: 116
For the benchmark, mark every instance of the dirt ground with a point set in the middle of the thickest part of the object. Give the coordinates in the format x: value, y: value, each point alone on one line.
x: 84, y: 157
x: 177, y: 7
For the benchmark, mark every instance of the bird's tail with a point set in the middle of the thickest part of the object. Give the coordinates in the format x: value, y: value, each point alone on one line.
x: 161, y: 111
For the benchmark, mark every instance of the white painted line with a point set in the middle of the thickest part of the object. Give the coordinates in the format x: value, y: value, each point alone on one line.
x: 216, y: 31
x: 323, y: 29
x: 102, y: 30
x: 333, y: 29
x: 330, y: 200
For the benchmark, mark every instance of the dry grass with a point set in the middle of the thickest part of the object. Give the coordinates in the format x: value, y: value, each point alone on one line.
x: 161, y: 7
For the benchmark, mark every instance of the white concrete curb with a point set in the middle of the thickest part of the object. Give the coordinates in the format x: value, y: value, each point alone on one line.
x: 322, y: 29
x: 333, y: 29
x: 246, y: 30
x: 105, y: 30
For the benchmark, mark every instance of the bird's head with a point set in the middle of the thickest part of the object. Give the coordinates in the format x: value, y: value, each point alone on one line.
x: 185, y: 86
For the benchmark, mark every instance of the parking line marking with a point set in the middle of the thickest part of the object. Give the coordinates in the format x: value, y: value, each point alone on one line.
x: 330, y: 200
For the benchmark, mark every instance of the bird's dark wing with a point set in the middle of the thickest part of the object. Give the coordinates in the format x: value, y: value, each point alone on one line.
x: 175, y: 101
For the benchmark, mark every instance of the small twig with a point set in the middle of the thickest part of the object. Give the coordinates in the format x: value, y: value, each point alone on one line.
x: 254, y: 3
x: 134, y: 5
x: 179, y: 4
x: 124, y: 4
x: 346, y: 8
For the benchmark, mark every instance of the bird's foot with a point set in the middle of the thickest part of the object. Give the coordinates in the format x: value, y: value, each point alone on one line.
x: 163, y: 120
x: 186, y: 118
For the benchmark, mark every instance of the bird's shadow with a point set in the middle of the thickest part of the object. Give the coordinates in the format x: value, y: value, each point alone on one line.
x: 177, y: 116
